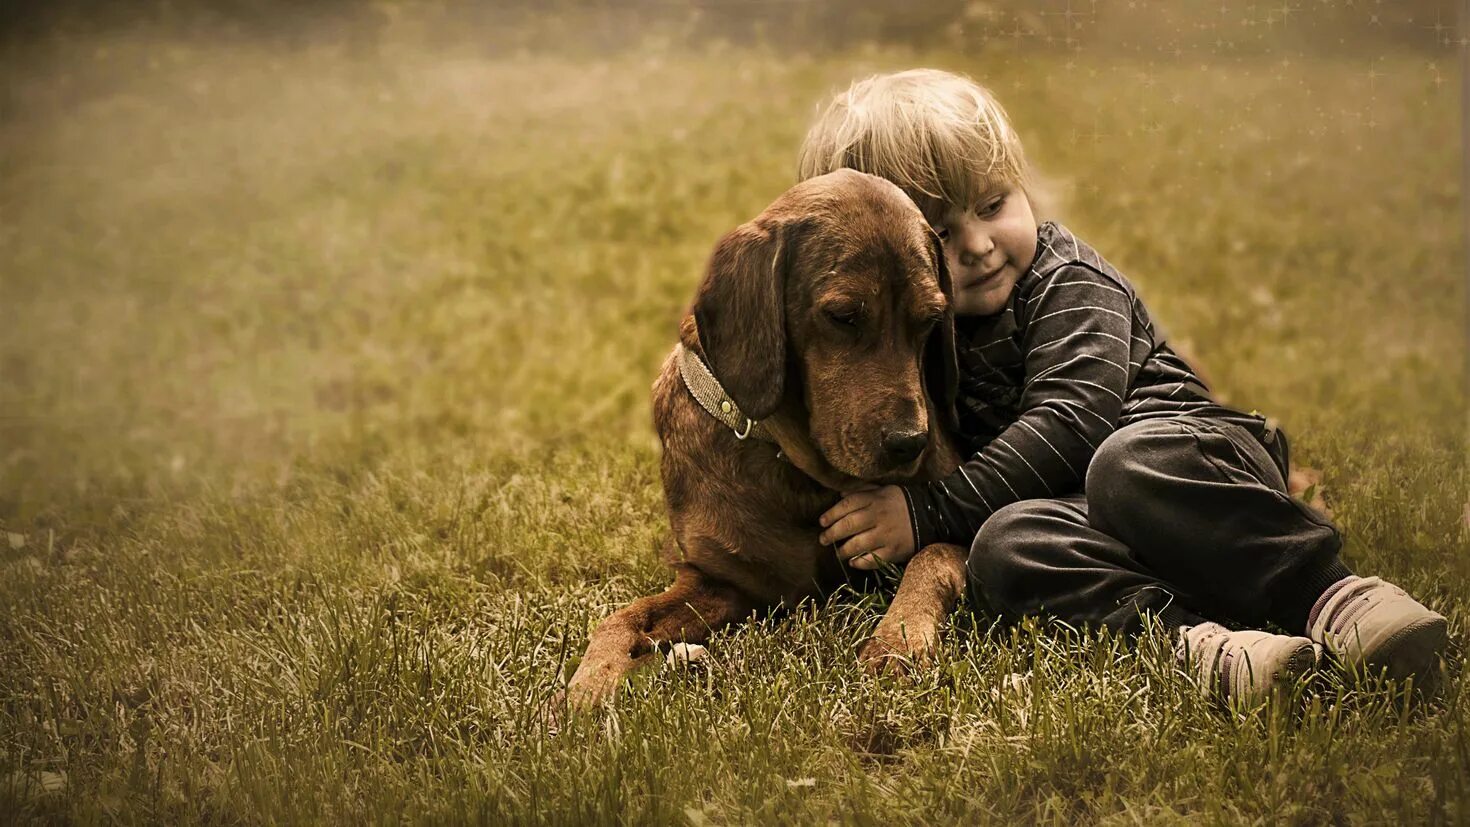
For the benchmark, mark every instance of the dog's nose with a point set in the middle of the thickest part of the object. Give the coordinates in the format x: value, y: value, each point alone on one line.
x: 904, y: 446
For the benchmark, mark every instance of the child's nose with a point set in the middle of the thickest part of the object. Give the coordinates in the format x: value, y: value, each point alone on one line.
x: 976, y: 246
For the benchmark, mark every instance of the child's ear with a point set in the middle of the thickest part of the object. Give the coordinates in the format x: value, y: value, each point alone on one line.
x: 740, y: 313
x: 941, y: 362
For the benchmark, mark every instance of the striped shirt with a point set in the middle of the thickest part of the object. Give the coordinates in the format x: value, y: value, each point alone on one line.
x: 1073, y: 357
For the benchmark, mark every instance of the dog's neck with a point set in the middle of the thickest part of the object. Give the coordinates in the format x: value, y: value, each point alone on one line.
x: 786, y: 427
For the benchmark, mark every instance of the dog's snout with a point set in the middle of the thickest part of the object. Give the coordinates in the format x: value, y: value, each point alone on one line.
x: 905, y: 446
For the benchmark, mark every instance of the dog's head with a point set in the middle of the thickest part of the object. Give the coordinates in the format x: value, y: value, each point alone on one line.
x: 837, y: 293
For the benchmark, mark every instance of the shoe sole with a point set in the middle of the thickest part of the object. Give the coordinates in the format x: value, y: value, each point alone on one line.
x: 1412, y: 652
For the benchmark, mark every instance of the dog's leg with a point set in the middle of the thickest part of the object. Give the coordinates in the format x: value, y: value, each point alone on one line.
x: 689, y: 611
x: 909, y: 633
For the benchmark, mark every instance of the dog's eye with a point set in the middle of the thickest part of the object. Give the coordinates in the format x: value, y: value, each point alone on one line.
x: 844, y: 318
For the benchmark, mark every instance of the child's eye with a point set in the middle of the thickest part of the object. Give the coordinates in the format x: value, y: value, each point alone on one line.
x: 990, y: 208
x: 942, y: 233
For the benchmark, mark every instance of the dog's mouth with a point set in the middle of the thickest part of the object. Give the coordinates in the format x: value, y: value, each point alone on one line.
x: 903, y: 472
x: 873, y: 467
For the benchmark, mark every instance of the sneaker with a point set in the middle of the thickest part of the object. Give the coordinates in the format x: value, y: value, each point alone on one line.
x: 1245, y: 668
x: 1374, y: 625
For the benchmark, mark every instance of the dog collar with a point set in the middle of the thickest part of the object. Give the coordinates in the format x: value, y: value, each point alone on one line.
x: 711, y: 396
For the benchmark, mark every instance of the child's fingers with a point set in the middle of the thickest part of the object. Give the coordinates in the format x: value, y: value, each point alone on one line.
x: 863, y: 543
x: 869, y: 560
x: 845, y: 506
x: 854, y: 523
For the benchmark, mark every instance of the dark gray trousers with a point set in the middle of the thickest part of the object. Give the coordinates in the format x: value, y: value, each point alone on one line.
x: 1187, y: 517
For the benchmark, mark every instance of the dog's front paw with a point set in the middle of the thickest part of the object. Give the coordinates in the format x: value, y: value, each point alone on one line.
x: 897, y: 648
x: 575, y: 700
x: 588, y: 694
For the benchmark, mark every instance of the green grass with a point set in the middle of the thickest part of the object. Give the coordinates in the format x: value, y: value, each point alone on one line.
x: 326, y: 436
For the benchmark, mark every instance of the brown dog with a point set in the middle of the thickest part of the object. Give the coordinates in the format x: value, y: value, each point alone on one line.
x: 818, y: 354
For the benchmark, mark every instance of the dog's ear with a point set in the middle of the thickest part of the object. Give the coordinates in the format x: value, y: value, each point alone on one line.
x: 941, y: 363
x: 741, y: 313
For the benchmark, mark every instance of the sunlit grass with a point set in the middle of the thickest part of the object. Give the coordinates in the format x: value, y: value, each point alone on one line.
x: 326, y: 437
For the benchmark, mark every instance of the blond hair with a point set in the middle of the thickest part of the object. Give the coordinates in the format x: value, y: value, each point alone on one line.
x: 939, y: 136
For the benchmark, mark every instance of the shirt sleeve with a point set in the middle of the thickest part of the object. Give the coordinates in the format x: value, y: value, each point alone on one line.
x: 1076, y: 348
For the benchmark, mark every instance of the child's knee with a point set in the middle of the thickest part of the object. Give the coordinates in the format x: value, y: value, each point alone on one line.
x: 1122, y: 469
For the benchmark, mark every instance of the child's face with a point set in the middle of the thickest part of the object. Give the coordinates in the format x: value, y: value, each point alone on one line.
x: 988, y: 245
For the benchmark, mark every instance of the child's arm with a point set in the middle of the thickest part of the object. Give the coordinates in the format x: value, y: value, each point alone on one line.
x: 1077, y: 344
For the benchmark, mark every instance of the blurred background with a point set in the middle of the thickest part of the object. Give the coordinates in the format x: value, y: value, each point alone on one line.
x: 807, y: 26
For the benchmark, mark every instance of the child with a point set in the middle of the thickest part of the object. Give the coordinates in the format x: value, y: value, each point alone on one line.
x: 1102, y: 480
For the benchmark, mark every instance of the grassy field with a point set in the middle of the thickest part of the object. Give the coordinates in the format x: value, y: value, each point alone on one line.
x: 325, y: 435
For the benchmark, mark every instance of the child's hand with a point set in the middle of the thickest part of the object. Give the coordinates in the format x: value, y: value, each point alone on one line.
x: 874, y: 522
